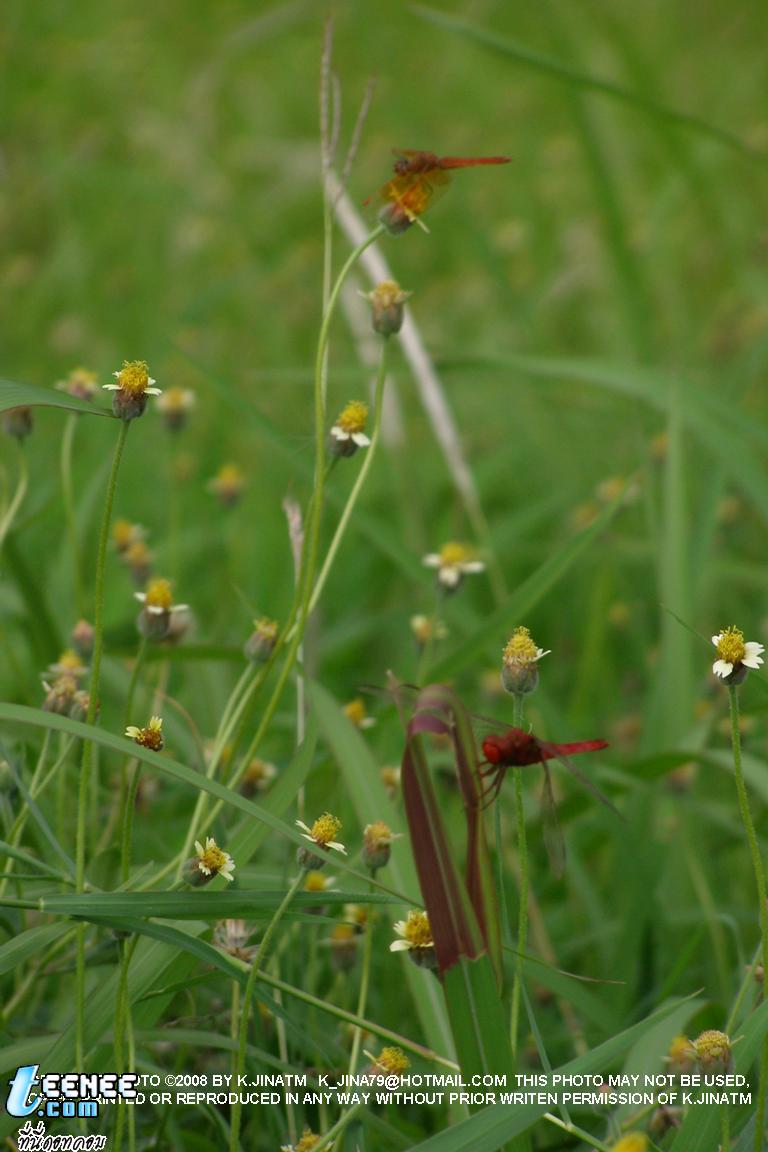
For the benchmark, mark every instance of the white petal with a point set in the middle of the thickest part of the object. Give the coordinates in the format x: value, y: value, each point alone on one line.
x: 150, y: 381
x: 399, y: 927
x: 541, y: 652
x: 198, y: 848
x: 472, y: 566
x: 153, y: 391
x: 338, y: 847
x: 132, y: 731
x: 752, y: 648
x: 179, y: 608
x: 339, y: 433
x: 302, y: 825
x: 112, y: 387
x: 155, y: 609
x: 432, y: 560
x: 140, y: 596
x: 204, y: 868
x: 449, y: 576
x: 722, y: 668
x: 752, y: 661
x: 360, y: 439
x: 399, y: 946
x: 716, y: 639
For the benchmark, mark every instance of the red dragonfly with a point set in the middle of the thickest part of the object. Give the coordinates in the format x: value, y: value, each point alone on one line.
x: 420, y: 179
x: 520, y: 749
x: 505, y: 747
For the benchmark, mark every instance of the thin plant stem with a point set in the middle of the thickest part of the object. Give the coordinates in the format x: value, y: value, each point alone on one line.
x: 234, y: 1130
x: 522, y: 918
x: 67, y: 496
x: 757, y: 866
x: 17, y: 498
x: 357, y: 488
x: 362, y: 998
x: 85, y: 766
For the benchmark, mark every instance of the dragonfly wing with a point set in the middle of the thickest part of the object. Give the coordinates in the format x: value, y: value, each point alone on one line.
x: 553, y: 833
x: 551, y: 752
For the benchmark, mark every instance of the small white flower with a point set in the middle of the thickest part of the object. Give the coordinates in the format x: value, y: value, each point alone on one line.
x: 321, y: 831
x: 733, y: 652
x: 214, y: 861
x: 453, y: 562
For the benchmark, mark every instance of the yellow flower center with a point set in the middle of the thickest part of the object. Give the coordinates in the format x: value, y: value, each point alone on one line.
x: 452, y: 554
x: 679, y: 1049
x: 417, y: 930
x: 159, y: 594
x: 377, y: 835
x: 266, y: 628
x: 388, y: 293
x: 352, y: 419
x: 632, y: 1142
x: 307, y: 1142
x: 134, y: 377
x: 712, y: 1047
x: 175, y: 400
x: 229, y: 478
x: 393, y: 1061
x: 315, y: 882
x: 325, y: 829
x: 343, y: 933
x: 123, y: 533
x: 70, y: 661
x: 355, y: 711
x: 258, y: 771
x: 730, y: 646
x: 520, y: 648
x: 213, y: 858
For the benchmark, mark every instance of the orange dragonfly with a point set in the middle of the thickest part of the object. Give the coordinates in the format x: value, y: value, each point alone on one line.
x: 420, y: 179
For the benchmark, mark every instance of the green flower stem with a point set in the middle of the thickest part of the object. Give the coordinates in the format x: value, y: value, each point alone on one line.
x: 312, y: 529
x: 293, y: 635
x: 362, y: 475
x: 67, y: 496
x: 428, y: 648
x: 234, y: 1130
x: 522, y: 919
x: 330, y: 1136
x: 14, y: 835
x: 757, y: 866
x: 17, y: 498
x: 362, y: 998
x: 85, y: 766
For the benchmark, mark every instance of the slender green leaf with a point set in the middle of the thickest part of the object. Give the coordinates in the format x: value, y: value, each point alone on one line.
x: 557, y: 70
x: 495, y: 1125
x: 13, y: 395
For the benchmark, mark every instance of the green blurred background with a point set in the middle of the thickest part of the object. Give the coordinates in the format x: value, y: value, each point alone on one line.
x: 598, y: 311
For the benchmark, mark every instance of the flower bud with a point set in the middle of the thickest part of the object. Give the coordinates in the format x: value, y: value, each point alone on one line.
x: 17, y: 422
x: 387, y: 306
x: 713, y: 1051
x: 261, y: 643
x: 82, y: 638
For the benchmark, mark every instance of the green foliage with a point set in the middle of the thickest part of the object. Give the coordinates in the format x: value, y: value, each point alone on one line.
x: 596, y: 314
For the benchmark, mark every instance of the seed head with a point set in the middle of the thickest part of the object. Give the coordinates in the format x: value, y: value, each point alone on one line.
x: 377, y: 845
x: 134, y: 385
x: 519, y: 670
x: 150, y: 737
x: 713, y: 1051
x: 17, y: 422
x: 210, y: 861
x: 348, y: 431
x: 387, y: 301
x: 261, y: 643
